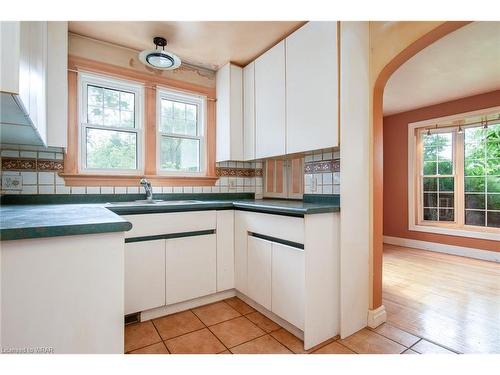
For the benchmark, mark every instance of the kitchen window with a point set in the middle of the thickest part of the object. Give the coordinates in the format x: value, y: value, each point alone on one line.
x: 454, y: 176
x: 181, y: 133
x: 111, y: 126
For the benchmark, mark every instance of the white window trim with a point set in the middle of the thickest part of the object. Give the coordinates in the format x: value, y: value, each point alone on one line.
x: 201, y: 102
x: 85, y: 79
x: 413, y: 163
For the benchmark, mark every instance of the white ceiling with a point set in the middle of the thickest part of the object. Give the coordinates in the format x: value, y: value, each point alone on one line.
x: 208, y: 44
x: 463, y: 63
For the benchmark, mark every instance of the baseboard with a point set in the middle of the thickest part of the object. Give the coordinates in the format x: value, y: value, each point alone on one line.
x: 468, y: 252
x: 377, y: 317
x: 186, y: 305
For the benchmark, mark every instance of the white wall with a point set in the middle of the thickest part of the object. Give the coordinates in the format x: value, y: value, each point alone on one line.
x: 354, y: 189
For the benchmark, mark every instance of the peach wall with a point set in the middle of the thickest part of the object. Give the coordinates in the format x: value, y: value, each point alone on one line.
x: 396, y: 169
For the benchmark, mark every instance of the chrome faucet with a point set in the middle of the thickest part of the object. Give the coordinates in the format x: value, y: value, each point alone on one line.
x: 147, y: 188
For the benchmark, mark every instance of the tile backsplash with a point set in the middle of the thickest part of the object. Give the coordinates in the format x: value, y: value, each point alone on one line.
x: 322, y: 172
x: 38, y: 174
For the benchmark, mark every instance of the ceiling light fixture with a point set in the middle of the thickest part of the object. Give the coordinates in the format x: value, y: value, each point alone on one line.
x: 159, y: 58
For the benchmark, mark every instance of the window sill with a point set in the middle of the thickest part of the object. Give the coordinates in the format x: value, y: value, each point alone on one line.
x: 133, y: 180
x: 485, y: 234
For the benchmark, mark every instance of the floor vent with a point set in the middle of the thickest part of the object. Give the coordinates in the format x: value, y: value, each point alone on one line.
x: 132, y: 318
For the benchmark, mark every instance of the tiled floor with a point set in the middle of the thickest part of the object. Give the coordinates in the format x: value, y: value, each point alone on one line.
x: 232, y: 326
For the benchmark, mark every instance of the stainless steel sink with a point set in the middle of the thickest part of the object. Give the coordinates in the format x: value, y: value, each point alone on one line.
x: 158, y: 202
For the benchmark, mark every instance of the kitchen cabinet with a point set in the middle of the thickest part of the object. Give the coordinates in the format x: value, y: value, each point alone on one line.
x: 312, y: 87
x: 229, y: 107
x: 144, y: 275
x: 33, y: 83
x: 225, y: 250
x: 249, y: 112
x: 259, y: 271
x: 270, y: 103
x: 191, y: 269
x: 288, y: 283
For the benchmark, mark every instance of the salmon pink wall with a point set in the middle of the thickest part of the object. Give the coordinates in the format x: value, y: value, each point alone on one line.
x: 396, y: 169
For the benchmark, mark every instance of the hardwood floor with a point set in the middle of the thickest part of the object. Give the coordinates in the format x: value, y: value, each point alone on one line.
x: 448, y: 300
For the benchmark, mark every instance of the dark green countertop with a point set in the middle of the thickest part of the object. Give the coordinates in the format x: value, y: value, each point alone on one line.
x: 35, y: 221
x: 21, y: 221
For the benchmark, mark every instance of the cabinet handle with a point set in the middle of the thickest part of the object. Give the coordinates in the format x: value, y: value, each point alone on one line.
x: 170, y: 236
x: 297, y: 245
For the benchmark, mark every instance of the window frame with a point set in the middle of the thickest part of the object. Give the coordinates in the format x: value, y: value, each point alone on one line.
x: 415, y: 196
x: 86, y: 79
x: 201, y: 103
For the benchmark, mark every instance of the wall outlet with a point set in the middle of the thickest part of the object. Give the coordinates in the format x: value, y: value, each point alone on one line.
x: 314, y: 184
x: 12, y: 182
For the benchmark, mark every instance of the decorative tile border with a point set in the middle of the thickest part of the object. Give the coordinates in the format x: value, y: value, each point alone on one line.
x: 28, y: 164
x: 322, y: 166
x: 238, y: 172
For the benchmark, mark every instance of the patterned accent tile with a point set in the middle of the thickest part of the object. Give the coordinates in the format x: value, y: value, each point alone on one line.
x: 324, y: 166
x: 237, y: 172
x: 28, y: 164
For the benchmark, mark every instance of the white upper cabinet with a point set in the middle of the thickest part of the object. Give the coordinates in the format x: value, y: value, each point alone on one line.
x: 270, y: 103
x: 249, y: 112
x: 312, y: 87
x: 33, y: 83
x: 229, y: 107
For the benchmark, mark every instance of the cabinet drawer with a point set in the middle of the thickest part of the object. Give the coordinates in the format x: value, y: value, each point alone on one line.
x: 175, y: 222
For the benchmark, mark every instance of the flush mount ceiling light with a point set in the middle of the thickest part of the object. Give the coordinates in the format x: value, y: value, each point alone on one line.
x: 158, y: 58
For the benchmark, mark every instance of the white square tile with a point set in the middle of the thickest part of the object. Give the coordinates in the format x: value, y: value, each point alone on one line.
x: 231, y: 164
x: 10, y: 153
x: 327, y: 178
x: 157, y: 189
x: 178, y: 189
x: 120, y: 190
x: 59, y: 179
x: 28, y: 154
x: 78, y: 190
x: 327, y: 155
x: 327, y: 189
x: 319, y: 178
x: 336, y: 154
x: 224, y: 189
x: 308, y: 179
x: 309, y: 158
x: 46, y: 189
x: 59, y: 156
x: 215, y: 189
x: 258, y: 165
x: 240, y: 189
x: 46, y: 155
x: 61, y: 189
x: 318, y: 156
x: 249, y: 189
x: 132, y: 190
x: 336, y: 189
x: 187, y: 189
x: 30, y: 189
x: 207, y: 189
x: 336, y: 178
x: 223, y: 181
x: 93, y: 190
x: 167, y: 189
x: 308, y: 189
x: 240, y: 181
x: 197, y: 189
x: 258, y: 181
x: 107, y: 190
x: 29, y: 178
x: 46, y: 178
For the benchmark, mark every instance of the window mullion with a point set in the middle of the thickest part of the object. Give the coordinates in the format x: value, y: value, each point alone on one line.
x: 459, y: 179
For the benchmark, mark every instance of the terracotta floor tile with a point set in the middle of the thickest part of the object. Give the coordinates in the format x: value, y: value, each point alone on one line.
x: 198, y: 342
x: 263, y: 322
x: 333, y: 348
x: 409, y: 351
x: 177, y: 324
x: 158, y: 348
x: 262, y: 345
x: 293, y: 343
x: 369, y: 342
x: 139, y: 335
x: 236, y: 331
x: 215, y: 313
x: 396, y: 334
x: 426, y: 347
x: 239, y: 305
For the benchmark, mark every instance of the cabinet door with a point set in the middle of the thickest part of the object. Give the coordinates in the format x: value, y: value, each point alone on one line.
x: 259, y: 271
x: 144, y: 275
x: 191, y: 267
x: 312, y: 87
x: 288, y: 284
x: 249, y: 111
x: 225, y: 250
x: 270, y: 102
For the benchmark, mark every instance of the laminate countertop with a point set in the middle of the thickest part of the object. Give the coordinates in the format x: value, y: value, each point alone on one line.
x: 24, y: 221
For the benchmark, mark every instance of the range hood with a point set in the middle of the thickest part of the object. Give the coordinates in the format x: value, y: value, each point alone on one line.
x: 16, y: 126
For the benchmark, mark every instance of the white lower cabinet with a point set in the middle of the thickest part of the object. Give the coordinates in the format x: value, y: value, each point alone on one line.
x: 144, y: 275
x: 288, y: 283
x: 191, y: 270
x: 259, y: 271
